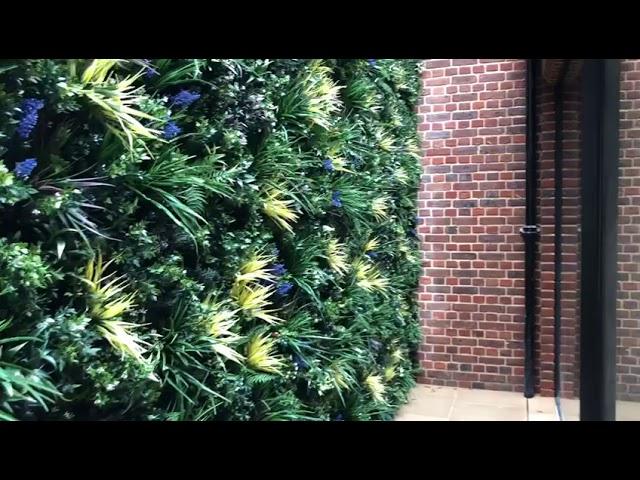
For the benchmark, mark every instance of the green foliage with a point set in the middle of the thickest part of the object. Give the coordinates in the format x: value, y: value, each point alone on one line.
x: 206, y: 239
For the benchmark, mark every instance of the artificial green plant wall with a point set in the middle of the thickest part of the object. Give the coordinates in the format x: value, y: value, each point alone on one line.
x: 207, y: 239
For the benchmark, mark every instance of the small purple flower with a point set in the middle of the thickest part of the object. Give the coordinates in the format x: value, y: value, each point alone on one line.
x: 328, y: 165
x: 339, y: 418
x: 30, y: 108
x: 372, y: 62
x: 171, y: 130
x: 372, y: 255
x: 150, y: 71
x: 284, y: 288
x: 279, y: 269
x: 185, y: 98
x: 336, y: 201
x: 23, y: 169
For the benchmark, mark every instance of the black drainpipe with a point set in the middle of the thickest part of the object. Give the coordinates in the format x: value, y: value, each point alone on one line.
x: 557, y: 247
x: 530, y: 233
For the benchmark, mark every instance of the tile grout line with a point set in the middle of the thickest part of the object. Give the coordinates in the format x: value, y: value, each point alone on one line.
x: 455, y: 398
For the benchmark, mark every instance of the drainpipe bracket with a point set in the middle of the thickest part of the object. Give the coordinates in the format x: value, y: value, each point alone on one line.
x: 529, y: 230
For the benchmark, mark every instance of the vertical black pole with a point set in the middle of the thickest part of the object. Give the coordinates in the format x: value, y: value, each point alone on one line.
x: 530, y: 232
x: 600, y: 151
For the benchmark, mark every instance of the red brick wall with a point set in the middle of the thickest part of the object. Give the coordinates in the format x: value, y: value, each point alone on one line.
x: 472, y: 206
x: 628, y: 311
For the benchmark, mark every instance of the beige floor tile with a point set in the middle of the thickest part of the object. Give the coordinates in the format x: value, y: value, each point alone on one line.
x: 431, y: 406
x: 482, y: 412
x: 434, y: 391
x: 543, y: 417
x: 542, y: 405
x: 627, y: 411
x: 570, y: 408
x: 490, y: 397
x: 571, y: 418
x: 411, y: 417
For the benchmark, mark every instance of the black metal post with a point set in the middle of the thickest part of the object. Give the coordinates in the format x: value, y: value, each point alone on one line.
x: 600, y: 151
x: 530, y: 232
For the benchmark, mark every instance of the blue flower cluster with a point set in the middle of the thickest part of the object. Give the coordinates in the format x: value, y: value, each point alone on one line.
x: 279, y: 269
x: 372, y: 255
x: 23, y: 169
x: 328, y: 165
x: 30, y: 108
x: 284, y: 288
x: 150, y: 72
x: 372, y: 62
x: 185, y: 98
x: 336, y: 199
x: 171, y: 130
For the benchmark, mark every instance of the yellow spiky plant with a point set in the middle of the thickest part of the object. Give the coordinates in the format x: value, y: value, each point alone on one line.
x: 396, y: 356
x: 389, y: 373
x: 401, y: 175
x: 255, y: 269
x: 122, y: 337
x: 252, y: 299
x: 394, y: 359
x: 380, y: 207
x: 108, y: 301
x: 219, y: 322
x: 368, y: 276
x: 337, y: 160
x: 108, y: 298
x: 116, y: 100
x: 337, y: 256
x: 278, y: 210
x: 261, y: 354
x: 385, y: 140
x: 372, y: 244
x: 339, y: 164
x: 341, y: 378
x: 376, y: 387
x: 413, y: 148
x: 321, y: 93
